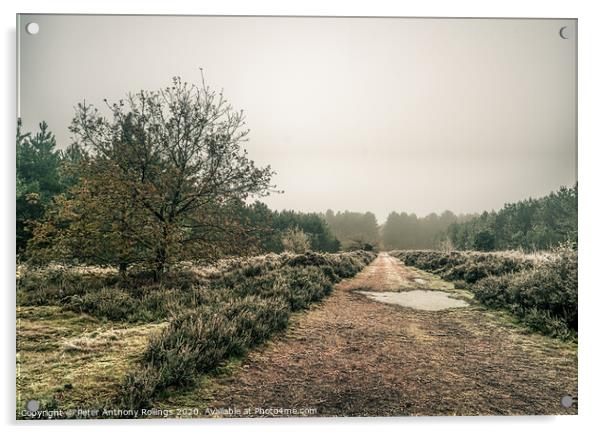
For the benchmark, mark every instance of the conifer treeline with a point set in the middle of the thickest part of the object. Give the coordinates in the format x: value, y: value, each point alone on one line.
x: 532, y: 224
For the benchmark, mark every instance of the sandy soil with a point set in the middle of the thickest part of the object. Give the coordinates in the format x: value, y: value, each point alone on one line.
x: 355, y: 356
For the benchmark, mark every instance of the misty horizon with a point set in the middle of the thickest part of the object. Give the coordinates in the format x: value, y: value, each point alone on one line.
x: 378, y: 115
x: 381, y: 221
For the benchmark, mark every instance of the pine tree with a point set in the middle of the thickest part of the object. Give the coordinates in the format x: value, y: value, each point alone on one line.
x: 38, y: 178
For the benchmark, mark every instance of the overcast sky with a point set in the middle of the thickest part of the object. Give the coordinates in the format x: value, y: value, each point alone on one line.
x: 356, y: 114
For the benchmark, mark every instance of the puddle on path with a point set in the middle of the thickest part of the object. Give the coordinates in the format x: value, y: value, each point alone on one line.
x: 418, y: 299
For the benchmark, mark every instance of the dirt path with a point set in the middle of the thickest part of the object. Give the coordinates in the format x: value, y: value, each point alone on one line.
x: 355, y: 356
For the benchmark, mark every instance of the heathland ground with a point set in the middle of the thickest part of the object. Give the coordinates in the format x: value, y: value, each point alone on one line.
x: 346, y: 355
x: 355, y: 356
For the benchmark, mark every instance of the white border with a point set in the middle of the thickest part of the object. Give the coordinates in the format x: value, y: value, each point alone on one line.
x: 590, y: 99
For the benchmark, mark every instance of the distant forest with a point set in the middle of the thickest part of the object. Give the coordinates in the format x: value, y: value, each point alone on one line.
x: 531, y: 224
x: 407, y: 231
x: 45, y: 174
x: 353, y: 229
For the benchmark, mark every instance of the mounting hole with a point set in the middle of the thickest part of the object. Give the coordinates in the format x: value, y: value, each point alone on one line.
x: 567, y: 401
x: 32, y: 28
x: 565, y: 32
x: 32, y: 405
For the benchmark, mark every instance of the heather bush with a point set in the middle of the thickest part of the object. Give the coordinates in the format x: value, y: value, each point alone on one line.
x: 545, y: 297
x: 300, y: 279
x: 479, y: 266
x: 467, y: 266
x: 111, y: 303
x: 239, y: 309
x: 198, y: 340
x: 348, y: 266
x: 298, y: 286
x: 541, y: 290
x: 55, y: 285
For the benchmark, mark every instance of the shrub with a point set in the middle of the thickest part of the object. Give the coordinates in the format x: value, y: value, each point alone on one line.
x: 298, y: 286
x: 545, y: 297
x: 198, y: 340
x: 111, y: 303
x: 138, y: 387
x: 311, y: 259
x: 137, y: 297
x: 467, y: 266
x: 239, y: 309
x: 55, y: 285
x: 295, y: 240
x: 302, y: 286
x: 540, y: 290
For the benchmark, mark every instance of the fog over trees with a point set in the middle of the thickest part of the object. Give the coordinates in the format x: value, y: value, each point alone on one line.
x: 353, y: 228
x: 407, y: 231
x: 162, y: 177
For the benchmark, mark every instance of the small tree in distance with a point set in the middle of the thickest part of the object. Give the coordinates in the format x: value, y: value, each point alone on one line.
x: 295, y: 240
x: 158, y: 180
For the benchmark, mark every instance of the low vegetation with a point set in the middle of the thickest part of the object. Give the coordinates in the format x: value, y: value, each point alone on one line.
x: 243, y: 307
x: 539, y: 289
x: 67, y: 360
x: 209, y: 314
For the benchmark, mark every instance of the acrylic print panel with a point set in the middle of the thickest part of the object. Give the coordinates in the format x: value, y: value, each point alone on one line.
x: 295, y: 216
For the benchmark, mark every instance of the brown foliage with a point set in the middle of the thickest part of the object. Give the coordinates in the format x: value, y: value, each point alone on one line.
x: 162, y: 178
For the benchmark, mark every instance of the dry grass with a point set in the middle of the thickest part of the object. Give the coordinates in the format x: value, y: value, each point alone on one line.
x: 73, y: 359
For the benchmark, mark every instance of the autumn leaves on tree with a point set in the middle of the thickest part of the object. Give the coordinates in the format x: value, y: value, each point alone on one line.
x: 159, y: 180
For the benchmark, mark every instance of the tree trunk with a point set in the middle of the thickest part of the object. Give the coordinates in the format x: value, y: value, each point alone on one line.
x: 123, y: 267
x: 161, y: 254
x: 160, y: 260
